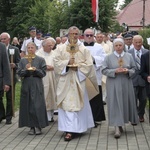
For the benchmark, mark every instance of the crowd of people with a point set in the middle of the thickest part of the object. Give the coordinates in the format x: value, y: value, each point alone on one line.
x: 75, y: 78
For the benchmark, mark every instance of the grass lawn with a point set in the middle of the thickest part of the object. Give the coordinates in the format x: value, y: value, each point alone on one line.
x: 17, y: 96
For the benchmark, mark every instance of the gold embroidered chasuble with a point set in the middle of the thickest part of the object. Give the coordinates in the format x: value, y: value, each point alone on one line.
x: 70, y: 86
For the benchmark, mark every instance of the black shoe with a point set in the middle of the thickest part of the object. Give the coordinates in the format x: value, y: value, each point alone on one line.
x: 96, y: 124
x: 32, y: 131
x: 134, y: 124
x: 38, y: 131
x: 1, y: 119
x: 52, y: 120
x: 55, y: 113
x: 8, y: 122
x: 104, y: 103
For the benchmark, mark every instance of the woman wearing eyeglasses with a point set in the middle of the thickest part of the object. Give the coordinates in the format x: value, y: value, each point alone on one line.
x: 119, y: 67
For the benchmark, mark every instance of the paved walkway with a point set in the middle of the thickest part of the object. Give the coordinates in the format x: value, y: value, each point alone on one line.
x: 100, y: 138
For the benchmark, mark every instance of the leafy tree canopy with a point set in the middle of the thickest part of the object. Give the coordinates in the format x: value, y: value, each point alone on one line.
x: 52, y: 15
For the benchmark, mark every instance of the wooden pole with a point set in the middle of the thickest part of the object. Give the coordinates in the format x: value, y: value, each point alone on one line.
x: 143, y: 14
x: 12, y: 87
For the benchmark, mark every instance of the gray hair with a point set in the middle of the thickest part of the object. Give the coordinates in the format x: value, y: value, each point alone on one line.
x: 31, y: 44
x: 138, y: 37
x: 118, y: 40
x: 73, y: 28
x: 5, y: 33
x: 48, y: 39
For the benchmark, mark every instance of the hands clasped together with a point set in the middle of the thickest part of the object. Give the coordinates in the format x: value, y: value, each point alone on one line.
x: 121, y: 70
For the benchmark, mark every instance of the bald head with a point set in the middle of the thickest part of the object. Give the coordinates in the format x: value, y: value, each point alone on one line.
x: 89, y: 35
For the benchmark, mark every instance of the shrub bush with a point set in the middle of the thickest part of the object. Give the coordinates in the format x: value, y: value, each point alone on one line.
x: 145, y: 33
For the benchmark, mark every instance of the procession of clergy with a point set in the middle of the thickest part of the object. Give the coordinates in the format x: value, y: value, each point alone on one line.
x: 76, y: 77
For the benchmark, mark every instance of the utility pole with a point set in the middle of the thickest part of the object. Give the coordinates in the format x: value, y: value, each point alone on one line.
x: 144, y: 13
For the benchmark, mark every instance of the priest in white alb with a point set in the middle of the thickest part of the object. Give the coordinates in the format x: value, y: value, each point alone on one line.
x: 74, y: 67
x: 49, y: 80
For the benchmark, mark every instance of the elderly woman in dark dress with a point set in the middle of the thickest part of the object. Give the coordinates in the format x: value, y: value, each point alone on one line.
x: 32, y: 103
x: 119, y: 67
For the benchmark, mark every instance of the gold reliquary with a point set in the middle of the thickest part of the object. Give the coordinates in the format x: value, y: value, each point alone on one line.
x: 30, y: 57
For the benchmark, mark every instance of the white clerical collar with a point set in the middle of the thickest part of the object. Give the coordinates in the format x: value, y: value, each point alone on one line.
x: 118, y: 55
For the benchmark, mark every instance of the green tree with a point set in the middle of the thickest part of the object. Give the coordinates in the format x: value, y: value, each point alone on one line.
x: 39, y: 15
x: 5, y: 13
x: 56, y: 18
x: 42, y: 14
x: 145, y: 33
x: 115, y: 27
x: 18, y: 22
x: 107, y: 14
x: 51, y: 16
x: 80, y: 14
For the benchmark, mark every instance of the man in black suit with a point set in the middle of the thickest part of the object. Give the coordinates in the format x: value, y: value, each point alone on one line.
x: 138, y: 82
x: 5, y: 79
x: 145, y: 70
x: 5, y: 38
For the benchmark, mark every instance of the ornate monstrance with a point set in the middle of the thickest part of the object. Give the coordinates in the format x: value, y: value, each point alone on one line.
x: 30, y: 57
x: 72, y: 48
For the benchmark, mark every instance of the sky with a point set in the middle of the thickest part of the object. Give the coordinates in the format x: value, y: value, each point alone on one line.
x: 120, y: 3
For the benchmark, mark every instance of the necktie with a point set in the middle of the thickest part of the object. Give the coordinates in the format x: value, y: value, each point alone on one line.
x: 138, y: 60
x: 128, y: 47
x: 33, y: 40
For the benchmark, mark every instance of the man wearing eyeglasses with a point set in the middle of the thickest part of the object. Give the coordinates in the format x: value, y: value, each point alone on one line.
x: 98, y: 55
x: 73, y: 65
